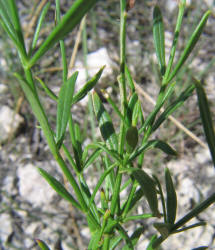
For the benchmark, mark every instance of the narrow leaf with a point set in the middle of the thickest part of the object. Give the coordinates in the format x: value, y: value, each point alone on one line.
x: 206, y: 118
x: 152, y: 241
x: 39, y: 25
x: 135, y: 237
x: 42, y: 245
x: 153, y: 144
x: 87, y: 87
x: 201, y: 248
x: 59, y: 188
x: 131, y: 138
x: 101, y: 180
x: 64, y: 106
x: 39, y: 113
x: 190, y: 44
x: 105, y: 123
x: 171, y: 201
x: 48, y: 91
x: 175, y: 105
x: 129, y: 79
x: 69, y: 21
x: 148, y: 186
x: 131, y: 104
x: 182, y: 5
x: 162, y: 228
x: 138, y: 217
x: 198, y: 224
x: 150, y: 119
x: 114, y: 242
x: 158, y: 33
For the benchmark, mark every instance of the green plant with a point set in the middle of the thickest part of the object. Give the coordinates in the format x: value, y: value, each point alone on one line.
x: 121, y: 153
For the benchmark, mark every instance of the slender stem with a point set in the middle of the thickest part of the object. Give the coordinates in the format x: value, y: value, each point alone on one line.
x: 123, y: 16
x: 122, y: 85
x: 106, y: 244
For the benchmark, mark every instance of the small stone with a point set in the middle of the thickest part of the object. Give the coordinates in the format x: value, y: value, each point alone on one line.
x: 6, y: 227
x: 9, y: 123
x: 3, y: 89
x: 33, y: 187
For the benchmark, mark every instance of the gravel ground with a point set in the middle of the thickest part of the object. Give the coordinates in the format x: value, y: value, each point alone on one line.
x: 29, y: 209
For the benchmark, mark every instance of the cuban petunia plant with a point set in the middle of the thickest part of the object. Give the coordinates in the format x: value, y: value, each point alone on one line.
x: 121, y: 150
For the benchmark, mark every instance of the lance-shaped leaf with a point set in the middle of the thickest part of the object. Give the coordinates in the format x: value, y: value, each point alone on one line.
x: 152, y: 241
x: 171, y: 200
x: 69, y: 21
x: 135, y: 237
x: 9, y: 25
x: 158, y: 33
x: 131, y: 138
x: 105, y: 123
x: 42, y: 245
x: 149, y: 188
x: 175, y: 105
x: 150, y: 119
x: 190, y: 45
x: 39, y: 113
x: 39, y: 25
x: 131, y: 104
x: 153, y: 144
x: 59, y: 188
x: 206, y: 118
x: 64, y: 106
x: 162, y: 228
x: 87, y: 87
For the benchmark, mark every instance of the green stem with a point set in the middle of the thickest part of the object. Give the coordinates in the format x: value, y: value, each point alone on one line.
x: 106, y: 244
x: 122, y: 85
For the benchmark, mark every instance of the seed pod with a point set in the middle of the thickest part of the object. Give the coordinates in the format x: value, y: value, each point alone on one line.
x: 131, y: 139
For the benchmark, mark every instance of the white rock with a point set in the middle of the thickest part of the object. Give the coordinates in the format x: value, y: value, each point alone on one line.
x: 6, y: 227
x: 3, y: 89
x: 33, y: 187
x: 9, y: 122
x: 85, y: 232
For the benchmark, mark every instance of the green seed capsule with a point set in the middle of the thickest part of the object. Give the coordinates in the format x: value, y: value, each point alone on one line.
x: 131, y: 139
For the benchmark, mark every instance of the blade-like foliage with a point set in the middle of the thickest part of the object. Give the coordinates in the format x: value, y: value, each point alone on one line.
x: 206, y: 118
x: 171, y: 200
x: 42, y: 245
x: 148, y: 187
x: 159, y: 40
x: 39, y: 113
x: 131, y: 138
x: 175, y: 105
x: 64, y: 106
x: 39, y: 25
x: 190, y: 45
x: 66, y: 25
x: 59, y: 188
x: 153, y: 144
x: 87, y: 87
